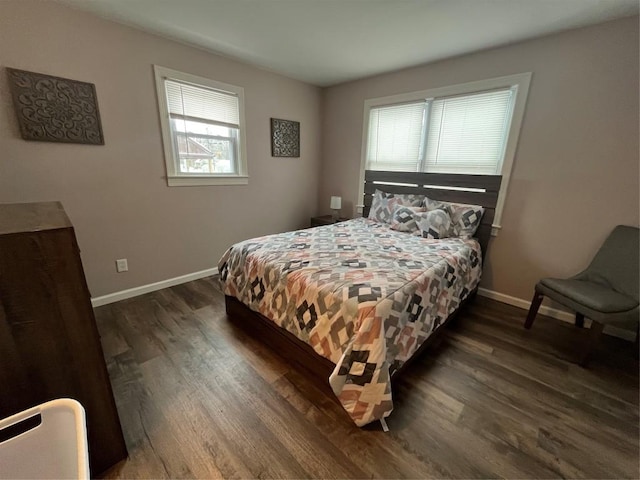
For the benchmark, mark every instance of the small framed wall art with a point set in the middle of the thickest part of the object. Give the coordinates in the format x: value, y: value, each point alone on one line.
x: 54, y: 109
x: 285, y: 138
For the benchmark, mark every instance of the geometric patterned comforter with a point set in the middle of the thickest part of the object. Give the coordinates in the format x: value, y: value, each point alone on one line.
x: 362, y: 295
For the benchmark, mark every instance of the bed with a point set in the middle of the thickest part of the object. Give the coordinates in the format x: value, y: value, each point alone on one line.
x: 355, y: 302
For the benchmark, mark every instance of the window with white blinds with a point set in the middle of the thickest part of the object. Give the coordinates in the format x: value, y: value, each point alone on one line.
x: 467, y: 133
x: 202, y: 124
x: 469, y: 128
x: 395, y: 137
x: 455, y: 134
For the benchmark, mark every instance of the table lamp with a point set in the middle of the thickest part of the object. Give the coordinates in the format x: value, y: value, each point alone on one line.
x: 336, y: 205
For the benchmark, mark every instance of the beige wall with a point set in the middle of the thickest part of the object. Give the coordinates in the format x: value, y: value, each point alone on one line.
x: 575, y: 172
x: 116, y: 194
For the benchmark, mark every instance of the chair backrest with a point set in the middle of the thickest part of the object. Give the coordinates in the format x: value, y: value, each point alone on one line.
x: 617, y: 262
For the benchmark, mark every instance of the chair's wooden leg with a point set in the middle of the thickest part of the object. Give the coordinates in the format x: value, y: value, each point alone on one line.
x: 579, y: 320
x: 594, y: 338
x: 533, y: 310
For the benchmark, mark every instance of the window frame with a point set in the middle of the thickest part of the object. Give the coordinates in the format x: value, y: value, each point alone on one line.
x: 519, y: 83
x: 176, y: 178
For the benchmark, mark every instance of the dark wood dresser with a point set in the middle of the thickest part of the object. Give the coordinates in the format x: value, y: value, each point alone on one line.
x: 49, y: 344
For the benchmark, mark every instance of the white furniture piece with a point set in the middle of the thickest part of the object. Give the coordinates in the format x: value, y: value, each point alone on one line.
x: 56, y: 448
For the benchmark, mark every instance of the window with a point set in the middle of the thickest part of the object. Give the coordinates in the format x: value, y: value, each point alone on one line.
x: 202, y: 128
x: 470, y: 128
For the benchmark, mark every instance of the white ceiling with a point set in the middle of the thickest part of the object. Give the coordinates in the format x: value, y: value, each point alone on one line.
x: 325, y: 42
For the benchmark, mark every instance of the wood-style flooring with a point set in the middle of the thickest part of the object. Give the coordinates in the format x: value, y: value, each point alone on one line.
x: 199, y: 398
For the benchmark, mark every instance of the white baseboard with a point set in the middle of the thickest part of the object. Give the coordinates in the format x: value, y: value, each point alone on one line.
x: 525, y: 304
x: 500, y: 297
x: 151, y: 287
x: 552, y: 312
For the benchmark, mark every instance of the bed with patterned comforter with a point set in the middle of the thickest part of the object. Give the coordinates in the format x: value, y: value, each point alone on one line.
x: 362, y: 295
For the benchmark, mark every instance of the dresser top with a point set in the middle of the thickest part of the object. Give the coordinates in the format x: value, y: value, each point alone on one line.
x: 32, y: 217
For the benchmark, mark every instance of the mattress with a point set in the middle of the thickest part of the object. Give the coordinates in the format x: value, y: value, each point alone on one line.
x: 362, y: 295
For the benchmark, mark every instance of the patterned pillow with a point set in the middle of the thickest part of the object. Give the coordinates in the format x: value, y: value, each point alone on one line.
x: 465, y: 219
x: 383, y: 204
x: 431, y: 204
x: 404, y: 220
x: 434, y: 223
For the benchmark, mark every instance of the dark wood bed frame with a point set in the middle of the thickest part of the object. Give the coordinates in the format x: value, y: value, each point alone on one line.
x: 470, y: 189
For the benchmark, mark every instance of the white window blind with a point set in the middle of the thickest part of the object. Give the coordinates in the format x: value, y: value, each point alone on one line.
x: 396, y: 136
x: 458, y: 134
x: 467, y: 134
x: 194, y: 102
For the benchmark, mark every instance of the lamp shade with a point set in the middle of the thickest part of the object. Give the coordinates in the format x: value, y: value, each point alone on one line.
x: 336, y: 203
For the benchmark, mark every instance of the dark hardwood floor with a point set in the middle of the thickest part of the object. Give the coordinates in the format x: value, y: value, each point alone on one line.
x: 199, y: 398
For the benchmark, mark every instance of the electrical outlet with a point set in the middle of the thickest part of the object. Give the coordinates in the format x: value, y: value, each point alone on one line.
x: 122, y: 265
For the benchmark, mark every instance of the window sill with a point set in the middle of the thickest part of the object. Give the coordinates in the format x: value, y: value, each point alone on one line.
x: 186, y: 181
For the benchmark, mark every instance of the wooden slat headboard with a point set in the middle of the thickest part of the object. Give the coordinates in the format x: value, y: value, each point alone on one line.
x: 476, y: 190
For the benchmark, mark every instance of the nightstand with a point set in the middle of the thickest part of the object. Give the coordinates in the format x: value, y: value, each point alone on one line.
x: 324, y: 220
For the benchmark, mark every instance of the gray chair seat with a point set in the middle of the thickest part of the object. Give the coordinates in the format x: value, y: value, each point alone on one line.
x: 591, y: 295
